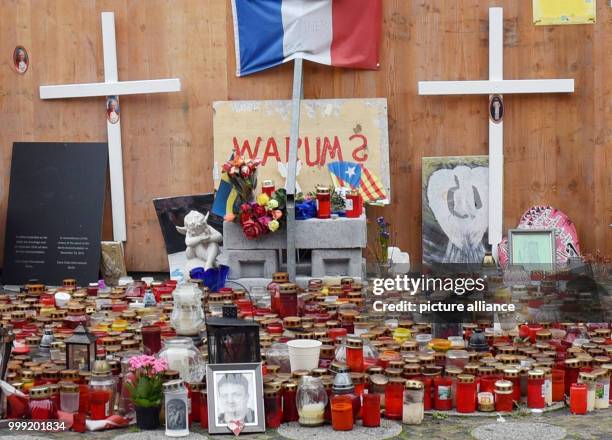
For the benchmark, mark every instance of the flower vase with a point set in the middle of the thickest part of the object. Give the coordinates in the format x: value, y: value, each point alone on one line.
x: 383, y: 270
x: 147, y: 418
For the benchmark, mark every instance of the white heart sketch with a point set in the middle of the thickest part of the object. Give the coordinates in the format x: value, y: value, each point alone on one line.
x: 458, y: 198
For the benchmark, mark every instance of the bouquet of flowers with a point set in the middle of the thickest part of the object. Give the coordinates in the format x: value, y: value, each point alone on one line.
x: 145, y: 389
x: 266, y: 214
x: 243, y: 176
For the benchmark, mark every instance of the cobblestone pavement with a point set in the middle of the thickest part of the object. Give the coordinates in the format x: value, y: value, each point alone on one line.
x: 596, y: 426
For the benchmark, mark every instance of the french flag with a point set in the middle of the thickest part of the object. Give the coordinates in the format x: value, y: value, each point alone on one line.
x: 343, y: 33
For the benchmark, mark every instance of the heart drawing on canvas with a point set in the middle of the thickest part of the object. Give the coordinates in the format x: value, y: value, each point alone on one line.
x: 459, y: 200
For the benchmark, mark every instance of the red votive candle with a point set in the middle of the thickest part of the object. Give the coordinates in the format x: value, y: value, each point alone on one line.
x: 151, y: 339
x: 371, y: 410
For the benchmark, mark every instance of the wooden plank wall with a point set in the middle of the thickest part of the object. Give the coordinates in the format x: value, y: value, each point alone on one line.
x: 557, y: 149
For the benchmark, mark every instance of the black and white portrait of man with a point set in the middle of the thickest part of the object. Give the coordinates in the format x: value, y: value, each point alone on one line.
x: 235, y: 397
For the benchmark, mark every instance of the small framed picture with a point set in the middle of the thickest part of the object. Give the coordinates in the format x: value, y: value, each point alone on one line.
x: 21, y: 60
x: 235, y: 398
x: 113, y: 113
x: 532, y: 247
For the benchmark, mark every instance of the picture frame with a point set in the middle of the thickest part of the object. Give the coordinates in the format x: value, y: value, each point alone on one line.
x: 235, y: 392
x: 532, y: 248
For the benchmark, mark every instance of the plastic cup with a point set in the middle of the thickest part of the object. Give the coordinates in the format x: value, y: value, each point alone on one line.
x: 304, y: 354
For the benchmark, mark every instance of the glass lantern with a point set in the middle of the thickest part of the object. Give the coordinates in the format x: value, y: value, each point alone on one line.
x: 232, y: 341
x: 187, y: 314
x: 80, y: 350
x: 311, y: 401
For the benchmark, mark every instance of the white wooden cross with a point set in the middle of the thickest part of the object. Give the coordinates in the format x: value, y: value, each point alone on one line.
x: 496, y: 85
x: 112, y: 87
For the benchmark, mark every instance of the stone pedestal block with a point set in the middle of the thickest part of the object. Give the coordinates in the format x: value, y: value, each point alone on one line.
x: 252, y: 264
x: 336, y: 262
x: 340, y: 233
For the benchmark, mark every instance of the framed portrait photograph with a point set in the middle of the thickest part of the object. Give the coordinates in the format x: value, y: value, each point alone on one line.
x: 235, y: 398
x: 534, y: 248
x: 21, y: 60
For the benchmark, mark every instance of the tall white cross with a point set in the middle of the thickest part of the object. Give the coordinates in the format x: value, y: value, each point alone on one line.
x: 112, y: 87
x: 496, y: 85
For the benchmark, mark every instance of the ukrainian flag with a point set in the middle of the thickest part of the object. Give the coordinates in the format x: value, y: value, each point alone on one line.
x: 225, y: 198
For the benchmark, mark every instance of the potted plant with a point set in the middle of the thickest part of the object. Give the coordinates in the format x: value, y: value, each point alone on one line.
x: 146, y: 389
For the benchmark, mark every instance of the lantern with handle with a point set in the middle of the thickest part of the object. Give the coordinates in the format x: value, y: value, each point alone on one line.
x: 232, y: 340
x: 80, y: 350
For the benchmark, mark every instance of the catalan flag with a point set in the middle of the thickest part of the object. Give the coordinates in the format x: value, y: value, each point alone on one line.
x: 357, y: 176
x: 225, y: 198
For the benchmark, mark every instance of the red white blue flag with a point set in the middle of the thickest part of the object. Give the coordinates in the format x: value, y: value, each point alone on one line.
x: 356, y: 176
x: 344, y: 33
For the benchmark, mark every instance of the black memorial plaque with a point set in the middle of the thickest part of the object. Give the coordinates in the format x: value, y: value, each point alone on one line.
x: 55, y: 211
x: 171, y: 212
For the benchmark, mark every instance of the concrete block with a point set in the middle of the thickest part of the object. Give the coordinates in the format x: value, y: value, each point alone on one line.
x: 340, y: 233
x: 251, y: 264
x: 234, y: 238
x: 336, y: 262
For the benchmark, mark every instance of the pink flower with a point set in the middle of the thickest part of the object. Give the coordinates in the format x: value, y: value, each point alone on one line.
x: 160, y: 365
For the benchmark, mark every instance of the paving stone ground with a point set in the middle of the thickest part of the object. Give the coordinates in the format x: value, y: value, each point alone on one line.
x: 595, y: 426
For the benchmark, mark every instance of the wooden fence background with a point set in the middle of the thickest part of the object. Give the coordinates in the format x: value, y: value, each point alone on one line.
x: 558, y: 149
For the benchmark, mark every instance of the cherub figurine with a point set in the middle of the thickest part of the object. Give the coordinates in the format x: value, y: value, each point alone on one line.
x: 202, y: 240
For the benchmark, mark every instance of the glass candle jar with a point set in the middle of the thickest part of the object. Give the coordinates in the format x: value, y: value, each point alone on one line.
x: 442, y: 393
x: 548, y: 399
x: 101, y: 393
x: 194, y: 392
x: 69, y: 397
x: 453, y: 372
x: 342, y: 413
x: 394, y: 398
x: 353, y: 204
x: 40, y: 405
x: 466, y: 393
x: 371, y: 410
x: 354, y: 354
x: 184, y: 357
x: 558, y: 384
x: 590, y: 380
x: 514, y: 375
x: 602, y: 389
x: 288, y: 300
x: 311, y: 400
x: 176, y: 406
x: 273, y: 407
x: 289, y: 395
x: 413, y: 410
x: 535, y: 389
x: 323, y: 202
x: 504, y: 396
x: 572, y: 369
x: 151, y: 339
x: 578, y: 398
x: 187, y: 315
x: 267, y: 187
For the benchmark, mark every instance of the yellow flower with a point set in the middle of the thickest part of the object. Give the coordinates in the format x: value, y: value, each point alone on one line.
x: 272, y: 204
x: 273, y: 225
x: 262, y: 199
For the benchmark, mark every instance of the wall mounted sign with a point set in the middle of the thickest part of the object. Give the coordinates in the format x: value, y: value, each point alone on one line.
x: 551, y: 12
x: 21, y: 60
x: 496, y: 109
x: 331, y: 130
x: 55, y: 210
